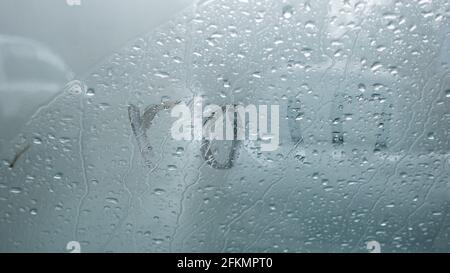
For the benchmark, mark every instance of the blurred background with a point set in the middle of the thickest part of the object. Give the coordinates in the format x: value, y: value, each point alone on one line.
x: 45, y: 43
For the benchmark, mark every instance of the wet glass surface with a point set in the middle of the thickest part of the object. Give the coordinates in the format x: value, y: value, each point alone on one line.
x: 363, y: 89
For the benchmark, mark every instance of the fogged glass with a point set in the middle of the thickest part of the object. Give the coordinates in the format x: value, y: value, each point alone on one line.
x: 364, y: 94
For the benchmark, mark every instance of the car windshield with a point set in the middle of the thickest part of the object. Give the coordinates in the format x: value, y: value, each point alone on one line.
x: 228, y: 126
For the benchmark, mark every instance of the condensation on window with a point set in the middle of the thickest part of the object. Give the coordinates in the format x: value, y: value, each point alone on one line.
x: 364, y: 94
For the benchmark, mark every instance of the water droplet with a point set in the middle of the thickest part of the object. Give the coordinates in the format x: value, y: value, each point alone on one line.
x: 37, y: 140
x: 287, y: 11
x: 361, y: 87
x: 90, y: 92
x: 159, y: 191
x: 180, y: 150
x: 381, y: 48
x: 112, y: 200
x: 256, y: 75
x: 447, y: 93
x: 375, y: 66
x: 315, y: 176
x: 15, y: 190
x: 310, y: 26
x: 162, y: 74
x: 58, y: 176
